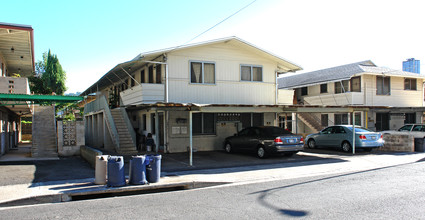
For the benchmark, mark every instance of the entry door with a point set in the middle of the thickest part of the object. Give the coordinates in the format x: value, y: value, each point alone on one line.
x: 382, y: 121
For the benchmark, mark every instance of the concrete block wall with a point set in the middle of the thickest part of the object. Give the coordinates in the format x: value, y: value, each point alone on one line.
x: 44, y: 141
x: 398, y: 142
x: 67, y: 147
x: 89, y: 154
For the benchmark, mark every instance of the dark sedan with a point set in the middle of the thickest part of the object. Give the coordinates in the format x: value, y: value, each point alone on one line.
x: 264, y: 141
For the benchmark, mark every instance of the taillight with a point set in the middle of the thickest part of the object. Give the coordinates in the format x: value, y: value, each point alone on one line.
x: 278, y: 140
x: 382, y: 136
x: 362, y: 137
x: 302, y: 140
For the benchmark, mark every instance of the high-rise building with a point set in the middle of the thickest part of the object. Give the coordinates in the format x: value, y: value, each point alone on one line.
x: 411, y: 65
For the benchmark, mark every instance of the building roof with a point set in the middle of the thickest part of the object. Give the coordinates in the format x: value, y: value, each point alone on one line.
x: 17, y: 47
x: 339, y: 73
x: 118, y: 73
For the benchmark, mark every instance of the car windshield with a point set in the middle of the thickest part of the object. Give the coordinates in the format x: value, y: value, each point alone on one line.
x: 275, y: 131
x: 360, y: 129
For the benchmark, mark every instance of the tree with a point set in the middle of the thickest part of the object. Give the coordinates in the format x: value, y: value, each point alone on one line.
x: 49, y: 76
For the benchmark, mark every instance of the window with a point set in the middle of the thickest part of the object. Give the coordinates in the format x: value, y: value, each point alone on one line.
x: 158, y: 73
x: 132, y: 82
x: 409, y: 84
x: 324, y: 119
x: 150, y: 74
x: 383, y: 85
x: 203, y: 123
x: 202, y: 72
x: 355, y: 84
x: 324, y: 88
x: 341, y: 119
x: 142, y: 76
x: 251, y: 73
x: 252, y: 119
x: 304, y: 91
x: 144, y: 122
x: 409, y: 118
x: 153, y: 125
x: 341, y: 86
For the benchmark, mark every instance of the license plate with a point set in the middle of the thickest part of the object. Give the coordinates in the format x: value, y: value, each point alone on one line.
x: 291, y: 141
x: 373, y: 138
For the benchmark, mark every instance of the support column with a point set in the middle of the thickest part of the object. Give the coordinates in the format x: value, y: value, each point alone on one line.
x: 190, y: 140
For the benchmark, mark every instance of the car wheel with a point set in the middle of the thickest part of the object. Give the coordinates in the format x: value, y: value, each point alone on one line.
x: 311, y: 144
x: 261, y: 152
x: 228, y: 148
x: 346, y: 147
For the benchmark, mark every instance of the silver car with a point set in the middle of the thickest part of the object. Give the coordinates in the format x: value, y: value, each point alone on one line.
x: 341, y: 136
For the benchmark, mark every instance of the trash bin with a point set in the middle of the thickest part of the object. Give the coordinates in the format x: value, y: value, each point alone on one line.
x: 138, y: 170
x: 100, y: 169
x: 116, y: 174
x: 419, y: 145
x: 153, y: 170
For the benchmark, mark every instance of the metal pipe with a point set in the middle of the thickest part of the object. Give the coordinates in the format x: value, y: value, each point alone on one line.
x: 354, y: 133
x: 190, y: 140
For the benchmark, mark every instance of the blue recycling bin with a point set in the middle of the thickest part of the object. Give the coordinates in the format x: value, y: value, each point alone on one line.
x: 138, y: 170
x: 116, y: 173
x: 153, y: 170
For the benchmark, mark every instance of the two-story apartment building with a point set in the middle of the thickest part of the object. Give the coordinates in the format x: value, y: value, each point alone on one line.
x: 16, y: 63
x: 391, y: 97
x: 191, y: 96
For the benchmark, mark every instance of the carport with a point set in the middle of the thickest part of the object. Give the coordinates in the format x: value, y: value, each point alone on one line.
x: 19, y: 105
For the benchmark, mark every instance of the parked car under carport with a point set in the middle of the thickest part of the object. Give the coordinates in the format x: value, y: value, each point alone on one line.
x: 264, y: 140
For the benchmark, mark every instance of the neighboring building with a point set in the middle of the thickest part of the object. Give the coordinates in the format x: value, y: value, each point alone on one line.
x: 389, y: 98
x: 412, y: 65
x: 189, y: 96
x: 16, y: 63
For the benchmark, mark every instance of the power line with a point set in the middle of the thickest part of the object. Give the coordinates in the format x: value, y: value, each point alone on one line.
x: 246, y: 6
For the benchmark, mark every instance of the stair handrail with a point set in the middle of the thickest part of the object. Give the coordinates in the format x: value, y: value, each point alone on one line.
x: 100, y: 104
x: 317, y: 118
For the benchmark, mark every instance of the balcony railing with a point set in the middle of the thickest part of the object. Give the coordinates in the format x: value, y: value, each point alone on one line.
x: 143, y: 93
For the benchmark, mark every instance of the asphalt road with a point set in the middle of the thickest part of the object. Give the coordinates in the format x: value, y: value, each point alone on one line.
x: 395, y: 192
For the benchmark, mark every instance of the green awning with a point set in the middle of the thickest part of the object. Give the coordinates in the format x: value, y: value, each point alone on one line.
x: 16, y: 99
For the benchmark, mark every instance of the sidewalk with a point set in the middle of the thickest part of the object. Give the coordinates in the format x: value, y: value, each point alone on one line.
x: 58, y: 181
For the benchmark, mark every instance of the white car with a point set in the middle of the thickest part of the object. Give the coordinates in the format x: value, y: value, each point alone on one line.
x: 417, y: 130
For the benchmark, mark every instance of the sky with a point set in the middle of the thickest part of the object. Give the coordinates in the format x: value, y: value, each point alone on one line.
x: 91, y: 37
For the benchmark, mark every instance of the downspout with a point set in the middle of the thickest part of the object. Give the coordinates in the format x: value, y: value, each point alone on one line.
x: 276, y: 88
x: 190, y: 140
x: 166, y: 78
x: 354, y: 133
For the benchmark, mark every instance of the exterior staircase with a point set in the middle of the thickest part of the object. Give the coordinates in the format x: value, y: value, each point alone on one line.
x: 126, y: 144
x: 311, y: 121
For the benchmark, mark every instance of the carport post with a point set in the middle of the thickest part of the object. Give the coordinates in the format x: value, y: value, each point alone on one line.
x: 354, y: 133
x: 190, y: 139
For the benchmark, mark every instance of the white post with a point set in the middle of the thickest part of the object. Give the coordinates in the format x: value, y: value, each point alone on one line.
x: 190, y: 139
x: 354, y: 133
x: 156, y: 131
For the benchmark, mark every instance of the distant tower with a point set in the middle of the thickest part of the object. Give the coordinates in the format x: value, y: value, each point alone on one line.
x: 412, y: 65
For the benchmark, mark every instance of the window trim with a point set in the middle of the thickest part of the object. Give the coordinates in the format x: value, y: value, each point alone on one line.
x: 389, y: 84
x: 203, y: 122
x: 343, y: 89
x: 410, y: 84
x: 360, y: 84
x: 252, y: 72
x: 202, y: 72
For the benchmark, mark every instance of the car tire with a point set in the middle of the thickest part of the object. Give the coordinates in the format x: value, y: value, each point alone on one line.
x: 261, y: 152
x: 346, y: 146
x: 228, y: 148
x: 311, y: 144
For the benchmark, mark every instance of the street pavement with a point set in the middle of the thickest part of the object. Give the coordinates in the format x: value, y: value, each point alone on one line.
x: 65, y: 179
